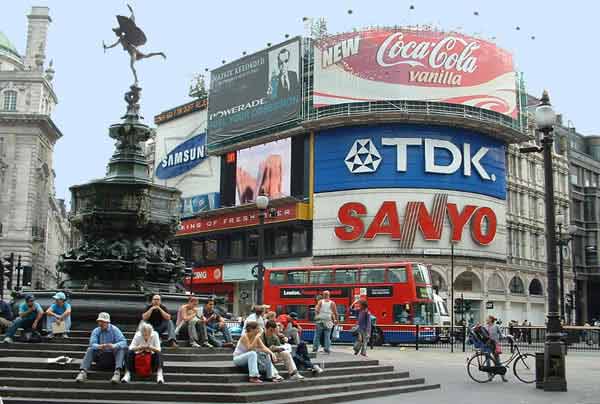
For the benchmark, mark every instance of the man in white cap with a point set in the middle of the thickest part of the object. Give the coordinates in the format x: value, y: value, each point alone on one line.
x: 107, y: 349
x: 59, y: 312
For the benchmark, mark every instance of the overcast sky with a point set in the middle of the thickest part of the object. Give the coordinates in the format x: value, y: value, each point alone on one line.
x: 195, y: 35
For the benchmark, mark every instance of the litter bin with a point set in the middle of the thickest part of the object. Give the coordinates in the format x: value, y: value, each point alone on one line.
x: 539, y: 370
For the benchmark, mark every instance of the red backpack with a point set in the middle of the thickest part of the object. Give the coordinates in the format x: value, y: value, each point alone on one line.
x: 143, y: 364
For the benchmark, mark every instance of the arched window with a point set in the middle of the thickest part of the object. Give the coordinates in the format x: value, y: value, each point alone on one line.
x: 437, y: 281
x: 10, y: 100
x: 496, y: 284
x: 468, y: 282
x: 535, y: 288
x: 516, y: 286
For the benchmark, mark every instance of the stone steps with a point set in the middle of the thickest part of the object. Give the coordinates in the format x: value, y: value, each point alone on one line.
x: 192, y: 375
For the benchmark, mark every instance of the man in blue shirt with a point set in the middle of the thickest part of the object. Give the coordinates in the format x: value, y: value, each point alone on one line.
x: 30, y: 314
x: 107, y: 349
x: 6, y: 315
x: 59, y: 312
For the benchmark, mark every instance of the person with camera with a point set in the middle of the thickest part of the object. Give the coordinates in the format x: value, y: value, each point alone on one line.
x: 214, y: 322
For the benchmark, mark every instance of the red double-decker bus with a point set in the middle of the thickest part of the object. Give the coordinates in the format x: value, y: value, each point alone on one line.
x: 399, y: 296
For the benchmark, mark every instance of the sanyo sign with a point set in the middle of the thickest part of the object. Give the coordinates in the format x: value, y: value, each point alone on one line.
x: 409, y: 156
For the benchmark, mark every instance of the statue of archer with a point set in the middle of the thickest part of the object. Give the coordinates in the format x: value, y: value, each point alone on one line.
x: 130, y: 36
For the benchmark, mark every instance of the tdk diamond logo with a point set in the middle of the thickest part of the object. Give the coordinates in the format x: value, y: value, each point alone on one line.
x: 363, y: 157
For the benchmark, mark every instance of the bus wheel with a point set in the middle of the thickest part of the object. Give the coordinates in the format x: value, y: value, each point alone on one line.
x: 377, y: 336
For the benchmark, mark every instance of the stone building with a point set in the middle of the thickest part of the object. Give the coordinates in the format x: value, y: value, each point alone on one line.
x: 33, y: 222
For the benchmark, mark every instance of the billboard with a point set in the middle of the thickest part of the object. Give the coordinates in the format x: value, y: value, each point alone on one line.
x: 409, y: 156
x: 403, y: 64
x: 183, y: 157
x: 192, y: 205
x: 408, y: 221
x: 255, y: 92
x: 263, y: 170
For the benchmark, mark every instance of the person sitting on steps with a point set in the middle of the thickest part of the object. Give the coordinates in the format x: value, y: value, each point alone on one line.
x: 159, y: 318
x: 272, y: 340
x: 291, y: 328
x: 6, y: 315
x: 247, y: 351
x: 190, y: 316
x: 57, y: 313
x: 146, y: 340
x: 107, y: 349
x: 214, y: 322
x: 30, y: 315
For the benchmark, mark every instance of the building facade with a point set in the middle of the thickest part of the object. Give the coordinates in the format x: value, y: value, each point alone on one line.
x: 33, y: 222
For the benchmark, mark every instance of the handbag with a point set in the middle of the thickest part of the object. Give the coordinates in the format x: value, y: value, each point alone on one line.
x: 59, y: 328
x: 143, y: 364
x: 263, y: 361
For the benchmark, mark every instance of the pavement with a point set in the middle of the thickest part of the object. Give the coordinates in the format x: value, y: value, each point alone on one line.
x: 449, y: 369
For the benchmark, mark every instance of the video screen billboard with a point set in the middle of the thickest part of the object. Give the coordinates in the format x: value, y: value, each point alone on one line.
x: 403, y: 64
x: 255, y: 92
x: 263, y: 170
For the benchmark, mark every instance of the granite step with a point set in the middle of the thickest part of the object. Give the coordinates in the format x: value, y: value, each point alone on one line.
x: 65, y: 346
x: 293, y: 390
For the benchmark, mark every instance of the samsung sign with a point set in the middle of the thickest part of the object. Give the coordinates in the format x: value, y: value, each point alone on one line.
x: 183, y: 158
x: 409, y: 156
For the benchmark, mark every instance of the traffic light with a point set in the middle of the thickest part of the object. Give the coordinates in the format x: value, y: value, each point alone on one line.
x: 466, y: 305
x: 7, y: 265
x: 458, y: 305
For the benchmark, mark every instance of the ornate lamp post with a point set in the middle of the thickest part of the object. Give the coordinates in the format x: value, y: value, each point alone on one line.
x: 562, y: 239
x: 262, y: 202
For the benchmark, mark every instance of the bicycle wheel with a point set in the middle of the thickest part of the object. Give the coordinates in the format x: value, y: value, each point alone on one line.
x: 473, y: 364
x: 524, y: 368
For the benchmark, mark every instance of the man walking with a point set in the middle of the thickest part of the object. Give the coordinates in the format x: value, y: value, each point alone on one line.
x: 107, y: 349
x: 159, y: 318
x: 325, y: 319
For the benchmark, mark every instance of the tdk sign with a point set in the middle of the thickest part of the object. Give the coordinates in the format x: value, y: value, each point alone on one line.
x: 409, y: 156
x: 183, y: 158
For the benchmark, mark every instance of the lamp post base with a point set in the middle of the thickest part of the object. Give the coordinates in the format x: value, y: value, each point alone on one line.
x: 554, y: 366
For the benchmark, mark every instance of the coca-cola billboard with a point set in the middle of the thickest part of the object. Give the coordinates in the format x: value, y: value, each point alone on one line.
x: 401, y: 64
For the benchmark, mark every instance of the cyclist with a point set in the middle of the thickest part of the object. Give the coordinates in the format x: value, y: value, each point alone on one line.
x: 495, y: 335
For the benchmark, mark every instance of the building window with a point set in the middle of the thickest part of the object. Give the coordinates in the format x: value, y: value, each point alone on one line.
x: 299, y: 241
x: 281, y: 242
x: 496, y: 284
x: 535, y: 288
x: 516, y: 286
x: 10, y: 100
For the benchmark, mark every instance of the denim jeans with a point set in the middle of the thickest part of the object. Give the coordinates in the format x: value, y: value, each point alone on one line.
x: 91, y: 355
x: 27, y: 325
x: 166, y: 326
x: 51, y: 319
x: 212, y: 328
x: 250, y: 360
x: 320, y: 329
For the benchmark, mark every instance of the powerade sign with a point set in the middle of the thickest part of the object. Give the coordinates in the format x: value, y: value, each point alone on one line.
x: 409, y: 156
x: 183, y: 158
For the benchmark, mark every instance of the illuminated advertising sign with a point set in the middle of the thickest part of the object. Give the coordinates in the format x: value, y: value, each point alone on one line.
x: 409, y: 156
x: 192, y: 205
x: 264, y: 170
x: 408, y: 221
x: 393, y: 64
x: 255, y: 92
x: 183, y: 158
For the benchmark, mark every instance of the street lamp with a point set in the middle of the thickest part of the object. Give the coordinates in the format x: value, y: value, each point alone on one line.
x: 562, y: 239
x: 554, y: 349
x: 262, y: 202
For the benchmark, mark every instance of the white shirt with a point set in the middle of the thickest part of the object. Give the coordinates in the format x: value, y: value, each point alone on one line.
x: 253, y: 317
x: 139, y: 341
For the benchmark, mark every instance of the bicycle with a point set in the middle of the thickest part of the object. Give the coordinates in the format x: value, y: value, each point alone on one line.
x: 479, y: 369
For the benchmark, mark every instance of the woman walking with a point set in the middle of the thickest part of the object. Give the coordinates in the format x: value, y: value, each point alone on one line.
x: 363, y: 330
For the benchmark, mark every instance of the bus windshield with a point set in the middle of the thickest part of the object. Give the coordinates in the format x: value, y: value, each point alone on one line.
x: 421, y: 274
x: 423, y: 313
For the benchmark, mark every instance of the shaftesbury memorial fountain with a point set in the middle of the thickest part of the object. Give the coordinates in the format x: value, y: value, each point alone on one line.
x: 123, y: 219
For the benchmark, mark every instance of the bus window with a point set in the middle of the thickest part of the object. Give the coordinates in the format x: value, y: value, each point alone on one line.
x: 421, y: 274
x: 297, y: 277
x: 397, y: 275
x: 402, y: 314
x: 300, y: 310
x: 346, y: 276
x: 423, y: 313
x: 372, y: 275
x: 320, y: 277
x: 341, y: 312
x: 277, y: 278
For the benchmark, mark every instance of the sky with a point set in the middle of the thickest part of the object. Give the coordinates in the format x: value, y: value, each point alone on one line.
x: 196, y: 35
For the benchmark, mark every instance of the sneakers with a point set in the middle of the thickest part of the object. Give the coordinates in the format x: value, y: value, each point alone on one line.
x: 296, y: 376
x: 207, y: 345
x: 81, y: 377
x: 195, y: 345
x: 116, y: 377
x: 316, y: 369
x: 160, y: 379
x: 7, y: 340
x: 127, y: 377
x: 172, y: 343
x: 50, y: 336
x: 65, y: 335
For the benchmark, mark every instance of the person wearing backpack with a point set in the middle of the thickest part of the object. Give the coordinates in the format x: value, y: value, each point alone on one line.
x: 143, y: 357
x: 363, y: 331
x: 495, y: 335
